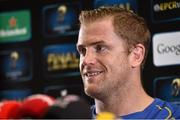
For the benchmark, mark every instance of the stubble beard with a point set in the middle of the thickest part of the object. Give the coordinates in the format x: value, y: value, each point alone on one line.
x: 113, y: 88
x: 107, y: 87
x: 99, y: 91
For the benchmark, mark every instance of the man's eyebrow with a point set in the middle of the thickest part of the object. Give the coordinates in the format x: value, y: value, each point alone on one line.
x: 98, y: 42
x: 90, y: 44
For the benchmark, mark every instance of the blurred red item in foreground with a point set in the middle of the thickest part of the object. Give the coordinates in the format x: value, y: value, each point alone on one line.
x: 36, y: 105
x: 10, y: 109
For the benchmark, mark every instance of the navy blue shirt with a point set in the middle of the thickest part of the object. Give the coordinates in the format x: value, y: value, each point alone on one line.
x: 158, y: 109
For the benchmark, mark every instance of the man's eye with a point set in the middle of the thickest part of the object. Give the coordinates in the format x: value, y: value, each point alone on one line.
x: 100, y: 48
x: 82, y: 51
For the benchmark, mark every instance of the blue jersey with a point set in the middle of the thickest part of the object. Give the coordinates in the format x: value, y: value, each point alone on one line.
x: 158, y: 109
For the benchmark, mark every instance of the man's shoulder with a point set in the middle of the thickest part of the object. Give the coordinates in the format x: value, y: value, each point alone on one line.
x: 158, y: 109
x: 167, y: 109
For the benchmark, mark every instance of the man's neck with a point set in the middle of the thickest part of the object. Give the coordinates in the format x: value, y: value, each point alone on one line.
x: 126, y: 101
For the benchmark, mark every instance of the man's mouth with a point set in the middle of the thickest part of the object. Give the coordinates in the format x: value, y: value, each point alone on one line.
x: 92, y: 73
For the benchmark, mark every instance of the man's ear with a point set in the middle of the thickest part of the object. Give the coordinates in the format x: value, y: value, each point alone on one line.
x: 137, y: 55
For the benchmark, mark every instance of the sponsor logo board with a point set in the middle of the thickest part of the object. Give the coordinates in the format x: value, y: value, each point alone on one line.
x: 127, y: 4
x: 15, y: 26
x: 166, y: 49
x: 61, y: 20
x: 61, y: 60
x: 165, y: 10
x: 16, y: 65
x: 167, y: 88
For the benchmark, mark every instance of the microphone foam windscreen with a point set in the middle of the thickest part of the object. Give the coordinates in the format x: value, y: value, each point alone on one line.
x: 70, y: 107
x: 10, y: 109
x: 78, y: 110
x: 35, y: 106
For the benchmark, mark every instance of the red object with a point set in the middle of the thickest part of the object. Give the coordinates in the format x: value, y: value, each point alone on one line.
x: 35, y: 106
x: 10, y: 109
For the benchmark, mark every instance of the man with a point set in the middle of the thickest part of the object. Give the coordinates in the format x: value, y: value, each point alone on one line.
x: 113, y: 44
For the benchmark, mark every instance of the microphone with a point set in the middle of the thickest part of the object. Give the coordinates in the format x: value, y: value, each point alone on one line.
x: 35, y: 106
x: 69, y: 107
x: 105, y: 116
x: 10, y: 109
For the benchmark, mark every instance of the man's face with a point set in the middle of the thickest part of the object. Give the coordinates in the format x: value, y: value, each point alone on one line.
x: 104, y: 62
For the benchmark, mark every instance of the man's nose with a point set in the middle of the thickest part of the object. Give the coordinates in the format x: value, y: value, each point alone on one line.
x: 89, y: 58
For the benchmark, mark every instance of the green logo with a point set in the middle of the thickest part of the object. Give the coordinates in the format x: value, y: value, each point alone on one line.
x: 15, y: 26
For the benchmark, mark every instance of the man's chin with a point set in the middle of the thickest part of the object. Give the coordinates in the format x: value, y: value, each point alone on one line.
x: 93, y: 93
x: 89, y: 91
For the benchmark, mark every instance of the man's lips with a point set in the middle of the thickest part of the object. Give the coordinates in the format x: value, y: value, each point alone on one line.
x: 92, y: 73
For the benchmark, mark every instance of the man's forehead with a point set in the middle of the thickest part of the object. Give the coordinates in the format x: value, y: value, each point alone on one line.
x: 92, y: 37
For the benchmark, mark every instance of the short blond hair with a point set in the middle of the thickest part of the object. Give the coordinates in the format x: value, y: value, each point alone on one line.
x: 127, y: 25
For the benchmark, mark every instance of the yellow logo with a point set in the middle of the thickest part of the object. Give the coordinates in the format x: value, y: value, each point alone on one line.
x: 166, y: 6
